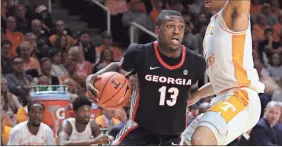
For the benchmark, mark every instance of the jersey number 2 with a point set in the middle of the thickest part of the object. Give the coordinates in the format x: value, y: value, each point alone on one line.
x: 173, y: 97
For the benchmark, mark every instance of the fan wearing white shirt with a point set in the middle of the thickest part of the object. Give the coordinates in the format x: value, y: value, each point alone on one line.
x: 32, y: 131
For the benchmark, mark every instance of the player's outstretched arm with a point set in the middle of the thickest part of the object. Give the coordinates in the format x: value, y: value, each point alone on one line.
x: 236, y: 14
x: 65, y: 131
x: 202, y: 92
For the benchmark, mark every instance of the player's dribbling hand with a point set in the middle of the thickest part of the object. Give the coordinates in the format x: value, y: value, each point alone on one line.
x: 91, y: 90
x: 102, y: 139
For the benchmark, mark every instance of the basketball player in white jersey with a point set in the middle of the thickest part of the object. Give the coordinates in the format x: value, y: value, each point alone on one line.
x: 33, y: 131
x: 81, y: 130
x: 228, y: 52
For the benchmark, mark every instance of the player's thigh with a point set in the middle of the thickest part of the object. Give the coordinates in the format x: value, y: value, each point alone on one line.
x: 129, y: 136
x: 232, y: 116
x: 186, y: 136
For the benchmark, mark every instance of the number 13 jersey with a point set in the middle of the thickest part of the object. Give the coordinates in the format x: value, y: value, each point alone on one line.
x: 164, y: 86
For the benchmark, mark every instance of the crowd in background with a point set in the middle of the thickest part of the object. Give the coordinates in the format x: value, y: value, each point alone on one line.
x: 36, y: 50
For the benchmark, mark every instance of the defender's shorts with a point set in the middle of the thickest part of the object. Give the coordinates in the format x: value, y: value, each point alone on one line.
x: 231, y: 114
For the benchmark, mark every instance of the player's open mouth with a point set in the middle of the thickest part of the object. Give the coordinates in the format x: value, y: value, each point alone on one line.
x: 175, y: 40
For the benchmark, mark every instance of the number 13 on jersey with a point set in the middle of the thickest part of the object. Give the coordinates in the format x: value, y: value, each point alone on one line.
x: 171, y: 101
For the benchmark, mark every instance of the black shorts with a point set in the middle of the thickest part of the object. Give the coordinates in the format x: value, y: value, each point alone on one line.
x: 137, y: 136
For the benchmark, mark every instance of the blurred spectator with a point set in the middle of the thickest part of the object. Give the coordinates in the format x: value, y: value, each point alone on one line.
x: 71, y: 88
x: 189, y: 39
x: 5, y: 132
x: 31, y: 38
x: 29, y: 62
x: 22, y: 20
x: 275, y: 68
x: 195, y: 8
x: 268, y: 131
x: 255, y: 7
x: 275, y: 7
x: 278, y: 28
x: 277, y: 94
x: 200, y: 37
x: 116, y: 6
x: 157, y: 8
x: 42, y: 38
x: 270, y: 84
x: 107, y: 120
x: 123, y: 117
x: 105, y: 59
x: 19, y: 83
x: 33, y: 131
x: 6, y: 61
x: 12, y: 35
x: 71, y: 67
x: 4, y: 6
x: 268, y: 45
x: 45, y: 17
x: 21, y: 115
x: 89, y: 50
x: 107, y: 44
x: 46, y: 68
x: 260, y: 26
x: 63, y: 45
x: 266, y: 10
x: 138, y: 15
x: 11, y: 102
x: 200, y: 19
x: 84, y: 68
x: 60, y: 31
x: 58, y: 68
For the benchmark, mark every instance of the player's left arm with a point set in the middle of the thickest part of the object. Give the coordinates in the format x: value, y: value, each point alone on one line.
x: 236, y: 14
x: 95, y: 128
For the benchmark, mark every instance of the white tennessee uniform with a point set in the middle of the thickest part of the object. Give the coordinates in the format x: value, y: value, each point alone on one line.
x: 86, y: 134
x: 236, y: 108
x: 20, y: 135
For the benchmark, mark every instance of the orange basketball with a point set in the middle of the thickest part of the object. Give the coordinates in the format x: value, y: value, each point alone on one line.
x: 114, y: 90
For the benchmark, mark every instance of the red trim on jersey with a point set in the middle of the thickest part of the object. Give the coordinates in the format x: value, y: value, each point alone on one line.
x: 135, y: 107
x: 124, y: 134
x: 166, y: 65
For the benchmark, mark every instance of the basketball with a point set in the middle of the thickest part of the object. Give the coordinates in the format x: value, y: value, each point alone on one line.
x: 114, y: 90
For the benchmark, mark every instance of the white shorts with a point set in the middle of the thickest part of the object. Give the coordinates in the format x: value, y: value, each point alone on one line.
x: 231, y: 114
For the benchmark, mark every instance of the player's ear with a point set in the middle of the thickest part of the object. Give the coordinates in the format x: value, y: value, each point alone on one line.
x: 157, y: 30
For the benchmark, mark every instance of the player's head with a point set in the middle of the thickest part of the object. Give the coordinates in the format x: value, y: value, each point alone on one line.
x: 170, y: 28
x: 215, y: 5
x: 35, y: 113
x: 272, y: 112
x: 82, y: 109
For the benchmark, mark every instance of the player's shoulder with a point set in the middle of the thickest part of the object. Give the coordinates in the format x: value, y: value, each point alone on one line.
x: 140, y: 47
x: 19, y: 127
x: 45, y: 126
x: 193, y: 56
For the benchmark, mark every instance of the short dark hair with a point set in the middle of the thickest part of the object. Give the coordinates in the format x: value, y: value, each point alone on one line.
x: 165, y: 13
x: 81, y: 101
x: 6, y: 42
x: 83, y: 32
x: 33, y: 103
x: 44, y: 59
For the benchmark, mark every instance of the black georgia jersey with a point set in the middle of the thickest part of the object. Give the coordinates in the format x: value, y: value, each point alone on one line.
x: 163, y: 88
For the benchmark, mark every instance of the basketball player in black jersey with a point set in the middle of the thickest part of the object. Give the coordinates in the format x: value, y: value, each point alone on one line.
x: 166, y: 70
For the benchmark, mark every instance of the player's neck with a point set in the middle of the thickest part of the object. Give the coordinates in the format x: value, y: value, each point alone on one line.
x: 166, y: 51
x: 33, y: 129
x: 80, y: 126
